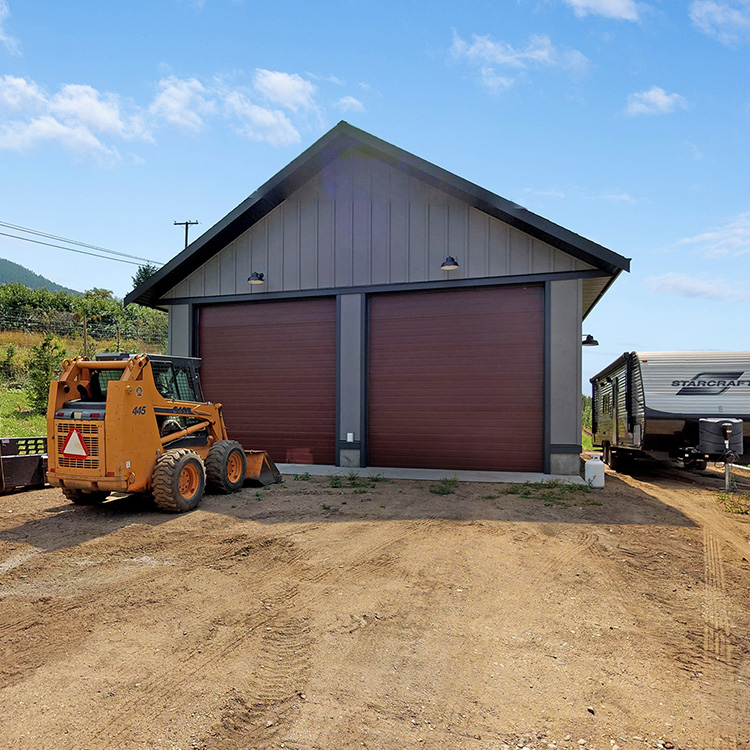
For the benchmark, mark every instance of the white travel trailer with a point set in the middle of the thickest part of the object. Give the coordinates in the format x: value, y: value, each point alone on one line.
x: 683, y: 405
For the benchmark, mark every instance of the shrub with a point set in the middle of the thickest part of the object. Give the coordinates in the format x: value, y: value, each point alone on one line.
x: 10, y: 367
x: 44, y: 365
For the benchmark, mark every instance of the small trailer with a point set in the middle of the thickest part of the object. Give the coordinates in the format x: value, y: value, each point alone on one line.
x: 689, y: 406
x: 23, y: 463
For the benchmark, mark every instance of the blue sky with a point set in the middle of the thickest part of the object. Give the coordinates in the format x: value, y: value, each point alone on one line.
x: 626, y: 122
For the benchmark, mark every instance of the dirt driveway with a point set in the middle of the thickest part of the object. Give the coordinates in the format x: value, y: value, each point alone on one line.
x: 306, y: 616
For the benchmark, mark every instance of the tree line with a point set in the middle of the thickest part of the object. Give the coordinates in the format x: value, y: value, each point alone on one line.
x: 96, y: 311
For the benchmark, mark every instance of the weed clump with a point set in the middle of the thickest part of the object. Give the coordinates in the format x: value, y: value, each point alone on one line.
x: 446, y: 486
x: 552, y: 493
x: 736, y: 503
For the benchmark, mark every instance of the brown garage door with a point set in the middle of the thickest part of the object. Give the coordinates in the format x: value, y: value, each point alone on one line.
x: 273, y: 366
x: 456, y: 379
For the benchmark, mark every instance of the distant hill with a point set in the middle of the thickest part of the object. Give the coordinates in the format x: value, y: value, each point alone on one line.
x: 13, y: 272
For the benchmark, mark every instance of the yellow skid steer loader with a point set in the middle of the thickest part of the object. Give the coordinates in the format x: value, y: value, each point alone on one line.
x: 137, y: 423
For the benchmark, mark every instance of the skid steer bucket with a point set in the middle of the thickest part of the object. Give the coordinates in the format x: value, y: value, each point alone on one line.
x: 261, y: 469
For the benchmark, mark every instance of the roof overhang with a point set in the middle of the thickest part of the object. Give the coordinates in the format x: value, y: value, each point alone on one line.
x: 340, y: 139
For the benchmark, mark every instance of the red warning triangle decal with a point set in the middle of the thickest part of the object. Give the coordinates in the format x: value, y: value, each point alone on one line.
x: 74, y: 447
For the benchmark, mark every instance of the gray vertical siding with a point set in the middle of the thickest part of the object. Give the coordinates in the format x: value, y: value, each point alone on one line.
x: 565, y: 362
x: 350, y: 358
x: 179, y: 331
x: 360, y: 222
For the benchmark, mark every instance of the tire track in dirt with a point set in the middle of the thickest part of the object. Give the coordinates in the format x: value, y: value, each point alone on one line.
x: 718, y: 654
x: 270, y: 705
x: 282, y: 670
x: 717, y: 639
x: 276, y: 684
x: 284, y: 640
x: 555, y: 559
x: 717, y: 635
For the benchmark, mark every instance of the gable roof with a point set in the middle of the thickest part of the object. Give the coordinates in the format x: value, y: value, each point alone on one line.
x: 337, y: 140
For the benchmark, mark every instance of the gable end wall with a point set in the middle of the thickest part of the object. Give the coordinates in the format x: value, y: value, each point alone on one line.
x: 361, y: 222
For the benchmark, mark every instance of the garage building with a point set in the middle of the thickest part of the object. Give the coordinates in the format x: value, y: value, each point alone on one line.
x: 359, y: 348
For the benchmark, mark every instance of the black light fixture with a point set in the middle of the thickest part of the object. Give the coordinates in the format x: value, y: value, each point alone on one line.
x: 255, y: 278
x: 449, y: 264
x: 589, y: 340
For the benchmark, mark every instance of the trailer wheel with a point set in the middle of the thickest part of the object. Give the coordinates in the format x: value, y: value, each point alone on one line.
x: 179, y: 480
x: 701, y: 464
x: 225, y: 466
x: 620, y: 461
x: 81, y: 497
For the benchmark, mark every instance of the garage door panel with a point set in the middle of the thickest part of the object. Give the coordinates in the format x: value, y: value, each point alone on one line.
x: 456, y: 379
x: 273, y: 367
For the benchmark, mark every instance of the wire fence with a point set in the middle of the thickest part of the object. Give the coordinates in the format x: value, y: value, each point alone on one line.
x: 70, y: 325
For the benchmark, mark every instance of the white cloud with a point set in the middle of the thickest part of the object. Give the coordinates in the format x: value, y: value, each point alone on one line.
x: 288, y: 90
x: 730, y: 240
x: 182, y: 102
x: 259, y: 123
x: 625, y: 10
x: 655, y: 101
x: 20, y: 94
x: 79, y: 118
x: 74, y: 117
x: 100, y: 112
x: 350, y: 104
x: 19, y: 136
x: 699, y: 286
x: 9, y: 42
x: 491, y: 57
x: 727, y: 22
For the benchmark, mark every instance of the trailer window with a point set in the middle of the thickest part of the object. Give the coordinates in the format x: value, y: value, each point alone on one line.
x: 606, y: 403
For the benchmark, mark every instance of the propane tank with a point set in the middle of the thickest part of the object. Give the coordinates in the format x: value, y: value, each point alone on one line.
x: 594, y: 473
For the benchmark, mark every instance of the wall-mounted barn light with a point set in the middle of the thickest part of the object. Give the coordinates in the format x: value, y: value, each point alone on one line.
x: 449, y: 264
x: 255, y: 278
x: 589, y: 340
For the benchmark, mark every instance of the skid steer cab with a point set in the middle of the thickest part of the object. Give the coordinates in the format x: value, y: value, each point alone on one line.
x: 138, y: 423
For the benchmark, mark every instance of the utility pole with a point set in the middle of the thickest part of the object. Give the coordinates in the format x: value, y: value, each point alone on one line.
x: 186, y: 224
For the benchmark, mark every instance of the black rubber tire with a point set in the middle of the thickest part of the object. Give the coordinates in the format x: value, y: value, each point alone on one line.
x: 217, y: 462
x: 81, y: 497
x: 700, y: 464
x: 165, y: 483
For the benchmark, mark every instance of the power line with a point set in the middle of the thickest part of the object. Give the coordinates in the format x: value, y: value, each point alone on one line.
x: 73, y: 242
x: 71, y: 249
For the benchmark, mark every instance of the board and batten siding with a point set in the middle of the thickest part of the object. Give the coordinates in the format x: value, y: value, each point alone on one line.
x: 362, y: 222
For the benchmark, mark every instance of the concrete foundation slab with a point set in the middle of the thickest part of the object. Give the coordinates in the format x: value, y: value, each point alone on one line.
x: 500, y: 477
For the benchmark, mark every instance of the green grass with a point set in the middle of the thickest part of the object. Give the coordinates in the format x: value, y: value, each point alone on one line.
x: 586, y: 442
x: 13, y: 421
x: 553, y: 493
x: 445, y: 486
x: 736, y: 503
